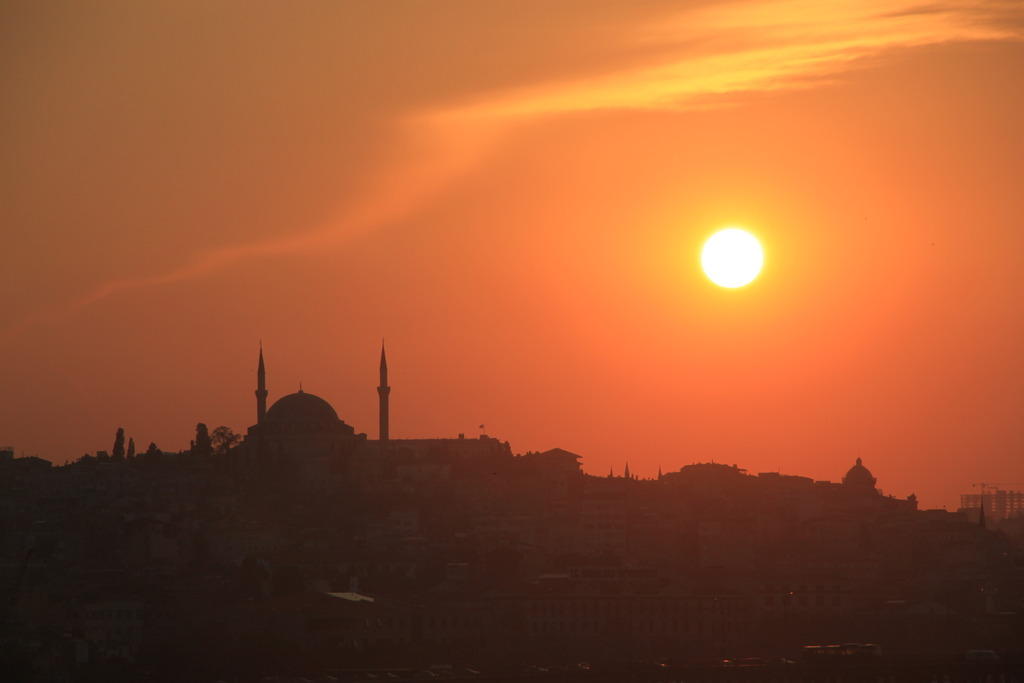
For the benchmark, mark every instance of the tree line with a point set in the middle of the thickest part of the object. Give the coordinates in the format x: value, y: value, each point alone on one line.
x: 206, y: 444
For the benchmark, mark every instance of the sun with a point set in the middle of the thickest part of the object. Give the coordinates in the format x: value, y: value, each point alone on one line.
x: 732, y: 258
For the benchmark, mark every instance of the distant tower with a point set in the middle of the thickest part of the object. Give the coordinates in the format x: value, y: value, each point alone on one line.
x: 261, y: 389
x: 383, y: 391
x: 626, y: 472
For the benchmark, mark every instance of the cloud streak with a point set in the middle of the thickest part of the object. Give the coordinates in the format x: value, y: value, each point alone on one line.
x: 433, y: 161
x: 757, y: 46
x: 434, y: 158
x: 704, y: 53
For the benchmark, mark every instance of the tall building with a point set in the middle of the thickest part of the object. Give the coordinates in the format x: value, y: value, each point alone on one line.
x: 383, y: 393
x: 261, y: 389
x: 298, y: 439
x: 998, y: 504
x: 301, y: 439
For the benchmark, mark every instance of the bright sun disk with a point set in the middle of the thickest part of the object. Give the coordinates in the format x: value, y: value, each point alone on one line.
x: 732, y: 258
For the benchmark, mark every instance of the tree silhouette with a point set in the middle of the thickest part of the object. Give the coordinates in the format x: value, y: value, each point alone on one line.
x: 118, y: 450
x: 202, y: 445
x: 131, y: 447
x: 152, y: 451
x: 224, y: 439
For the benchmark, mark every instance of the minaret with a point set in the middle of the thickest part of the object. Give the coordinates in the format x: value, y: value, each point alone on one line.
x: 261, y: 389
x: 383, y: 391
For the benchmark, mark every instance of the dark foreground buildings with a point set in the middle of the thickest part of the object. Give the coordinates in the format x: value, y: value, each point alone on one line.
x: 308, y: 549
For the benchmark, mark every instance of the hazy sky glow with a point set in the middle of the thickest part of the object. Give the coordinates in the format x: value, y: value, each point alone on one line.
x: 515, y: 195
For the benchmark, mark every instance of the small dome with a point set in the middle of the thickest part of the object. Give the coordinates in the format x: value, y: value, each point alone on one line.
x: 301, y: 408
x: 859, y: 477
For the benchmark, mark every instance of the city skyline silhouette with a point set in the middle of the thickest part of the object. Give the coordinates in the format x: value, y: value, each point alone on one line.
x: 530, y: 223
x: 574, y: 340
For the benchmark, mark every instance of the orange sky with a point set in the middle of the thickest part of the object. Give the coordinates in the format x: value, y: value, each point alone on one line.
x: 514, y: 194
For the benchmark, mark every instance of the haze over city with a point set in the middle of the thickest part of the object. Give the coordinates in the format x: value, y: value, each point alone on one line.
x: 515, y: 196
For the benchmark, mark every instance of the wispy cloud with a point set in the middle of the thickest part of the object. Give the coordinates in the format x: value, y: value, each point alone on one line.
x: 434, y: 157
x: 757, y: 46
x: 703, y: 52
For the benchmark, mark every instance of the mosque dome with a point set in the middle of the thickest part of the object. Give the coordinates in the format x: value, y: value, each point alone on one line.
x: 301, y: 408
x: 859, y: 477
